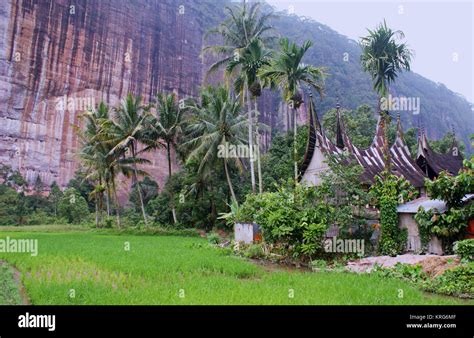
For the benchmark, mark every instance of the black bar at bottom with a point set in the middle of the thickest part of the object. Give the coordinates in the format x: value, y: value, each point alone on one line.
x: 367, y: 321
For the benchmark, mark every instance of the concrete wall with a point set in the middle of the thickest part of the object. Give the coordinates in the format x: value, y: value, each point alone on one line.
x: 407, y: 221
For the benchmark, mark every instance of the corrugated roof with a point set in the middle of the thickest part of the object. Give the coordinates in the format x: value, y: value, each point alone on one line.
x: 427, y: 204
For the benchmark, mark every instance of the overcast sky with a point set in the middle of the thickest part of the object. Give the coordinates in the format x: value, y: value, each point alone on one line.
x: 440, y: 32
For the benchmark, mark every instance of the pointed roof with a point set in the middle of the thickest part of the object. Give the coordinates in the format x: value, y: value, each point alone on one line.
x: 371, y: 159
x: 432, y: 162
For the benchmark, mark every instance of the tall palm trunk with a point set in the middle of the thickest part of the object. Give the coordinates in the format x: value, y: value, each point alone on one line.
x: 117, y: 205
x: 295, y: 149
x: 107, y: 198
x: 135, y: 170
x: 229, y: 182
x: 259, y: 167
x: 96, y: 212
x: 384, y: 125
x: 173, y: 210
x: 250, y: 136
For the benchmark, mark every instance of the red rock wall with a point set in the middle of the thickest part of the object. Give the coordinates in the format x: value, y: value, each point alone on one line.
x: 59, y: 56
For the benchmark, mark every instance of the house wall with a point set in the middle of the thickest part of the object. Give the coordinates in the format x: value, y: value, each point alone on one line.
x: 406, y: 221
x: 317, y: 166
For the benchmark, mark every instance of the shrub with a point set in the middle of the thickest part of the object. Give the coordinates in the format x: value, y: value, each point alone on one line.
x: 294, y: 218
x: 40, y: 217
x: 213, y: 238
x: 458, y: 281
x: 73, y: 207
x: 465, y: 249
x: 387, y: 192
x: 319, y: 265
x: 253, y: 251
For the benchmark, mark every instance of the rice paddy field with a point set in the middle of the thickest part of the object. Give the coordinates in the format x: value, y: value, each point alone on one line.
x: 94, y: 268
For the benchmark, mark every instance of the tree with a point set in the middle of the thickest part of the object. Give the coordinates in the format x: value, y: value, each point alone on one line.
x: 149, y: 190
x: 12, y: 178
x: 8, y: 203
x: 244, y: 32
x: 243, y: 24
x: 288, y: 73
x: 214, y: 125
x: 167, y: 126
x: 82, y: 184
x: 277, y: 163
x: 127, y: 131
x: 247, y: 84
x: 383, y: 58
x: 73, y: 207
x: 54, y: 196
x: 444, y: 144
x: 451, y: 224
x: 360, y: 126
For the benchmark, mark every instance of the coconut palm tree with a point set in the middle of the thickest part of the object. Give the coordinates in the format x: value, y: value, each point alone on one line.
x: 244, y: 24
x: 383, y: 58
x: 214, y: 124
x: 127, y: 131
x: 246, y: 66
x: 102, y: 165
x: 167, y: 127
x: 92, y: 154
x: 287, y: 73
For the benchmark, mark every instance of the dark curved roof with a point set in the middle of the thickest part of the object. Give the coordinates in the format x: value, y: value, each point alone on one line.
x: 432, y: 163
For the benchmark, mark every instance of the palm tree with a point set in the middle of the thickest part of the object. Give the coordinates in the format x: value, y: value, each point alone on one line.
x: 102, y: 165
x: 167, y: 127
x: 214, y: 124
x: 244, y: 25
x: 287, y: 72
x: 383, y: 58
x: 247, y: 66
x: 127, y: 131
x: 93, y: 154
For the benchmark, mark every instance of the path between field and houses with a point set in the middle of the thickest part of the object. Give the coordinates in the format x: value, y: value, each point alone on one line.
x: 432, y: 264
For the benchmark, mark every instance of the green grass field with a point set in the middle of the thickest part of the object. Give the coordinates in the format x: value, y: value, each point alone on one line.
x: 180, y: 270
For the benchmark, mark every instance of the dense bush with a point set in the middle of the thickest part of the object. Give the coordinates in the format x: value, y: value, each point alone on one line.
x: 465, y: 249
x: 8, y: 205
x: 451, y: 224
x: 73, y: 207
x: 387, y: 192
x: 294, y: 218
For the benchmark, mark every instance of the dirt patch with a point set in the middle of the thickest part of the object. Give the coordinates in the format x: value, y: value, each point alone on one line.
x: 17, y: 279
x: 433, y: 265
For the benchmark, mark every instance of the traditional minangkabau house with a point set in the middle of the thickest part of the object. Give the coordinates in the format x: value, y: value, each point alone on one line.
x: 428, y: 163
x: 371, y: 159
x: 432, y: 163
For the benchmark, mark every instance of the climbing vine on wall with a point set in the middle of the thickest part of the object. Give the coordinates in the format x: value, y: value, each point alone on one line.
x: 386, y: 193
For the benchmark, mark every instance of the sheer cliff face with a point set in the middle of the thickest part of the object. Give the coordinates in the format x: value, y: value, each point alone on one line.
x: 58, y: 57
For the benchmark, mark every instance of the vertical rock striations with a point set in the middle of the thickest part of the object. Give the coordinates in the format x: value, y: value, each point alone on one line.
x: 59, y: 57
